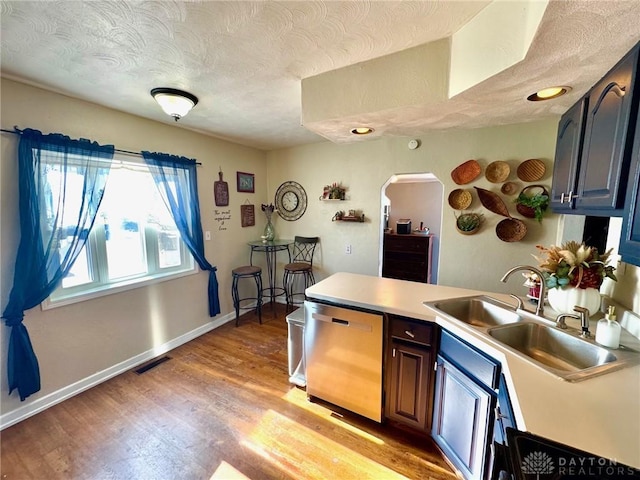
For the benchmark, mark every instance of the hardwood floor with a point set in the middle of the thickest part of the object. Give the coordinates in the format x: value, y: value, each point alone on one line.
x: 220, y: 408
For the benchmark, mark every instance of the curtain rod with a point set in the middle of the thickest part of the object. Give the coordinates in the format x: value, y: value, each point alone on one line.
x: 17, y: 131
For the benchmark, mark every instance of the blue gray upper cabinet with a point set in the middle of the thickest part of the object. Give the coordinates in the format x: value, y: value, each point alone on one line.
x: 600, y: 161
x: 630, y: 239
x: 567, y: 161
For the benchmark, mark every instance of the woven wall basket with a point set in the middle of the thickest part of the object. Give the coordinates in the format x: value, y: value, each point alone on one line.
x: 530, y: 190
x: 466, y: 172
x: 460, y: 199
x: 492, y: 202
x: 497, y: 172
x: 511, y: 230
x: 531, y: 170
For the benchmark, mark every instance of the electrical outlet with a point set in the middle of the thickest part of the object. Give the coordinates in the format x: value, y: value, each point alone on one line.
x: 347, y: 250
x: 207, y: 235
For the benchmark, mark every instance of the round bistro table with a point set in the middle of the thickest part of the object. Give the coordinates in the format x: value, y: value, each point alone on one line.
x: 270, y: 249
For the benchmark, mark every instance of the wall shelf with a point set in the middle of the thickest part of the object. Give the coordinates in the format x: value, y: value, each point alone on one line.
x: 350, y: 219
x: 352, y: 216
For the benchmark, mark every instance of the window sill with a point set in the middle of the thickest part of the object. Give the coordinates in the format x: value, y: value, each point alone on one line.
x: 123, y: 286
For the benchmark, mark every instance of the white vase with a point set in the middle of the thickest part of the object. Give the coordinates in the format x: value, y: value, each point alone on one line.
x: 563, y: 299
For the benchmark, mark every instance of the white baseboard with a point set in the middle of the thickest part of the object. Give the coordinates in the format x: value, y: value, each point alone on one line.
x: 40, y: 404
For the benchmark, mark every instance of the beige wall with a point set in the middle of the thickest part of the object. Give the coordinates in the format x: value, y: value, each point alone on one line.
x: 77, y: 341
x: 466, y: 261
x: 476, y: 261
x: 83, y: 339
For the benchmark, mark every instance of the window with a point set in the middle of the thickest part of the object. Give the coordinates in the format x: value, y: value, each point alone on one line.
x: 134, y: 240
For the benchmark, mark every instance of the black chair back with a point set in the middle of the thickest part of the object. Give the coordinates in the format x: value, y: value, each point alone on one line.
x: 303, y: 249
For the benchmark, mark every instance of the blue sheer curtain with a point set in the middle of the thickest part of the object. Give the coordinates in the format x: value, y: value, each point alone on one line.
x: 177, y: 181
x: 55, y: 219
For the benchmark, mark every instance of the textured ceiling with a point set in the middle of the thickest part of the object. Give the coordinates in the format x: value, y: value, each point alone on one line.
x: 245, y: 60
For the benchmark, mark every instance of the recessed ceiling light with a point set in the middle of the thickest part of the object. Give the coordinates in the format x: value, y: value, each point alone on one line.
x: 362, y: 130
x: 548, y: 93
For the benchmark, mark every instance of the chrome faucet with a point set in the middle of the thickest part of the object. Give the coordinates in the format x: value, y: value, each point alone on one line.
x: 543, y: 288
x: 583, y: 316
x: 560, y: 320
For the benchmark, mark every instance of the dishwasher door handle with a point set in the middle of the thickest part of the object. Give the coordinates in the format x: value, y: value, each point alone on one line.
x: 343, y: 323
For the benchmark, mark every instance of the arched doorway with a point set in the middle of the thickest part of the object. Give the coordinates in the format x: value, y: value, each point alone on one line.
x: 418, y: 197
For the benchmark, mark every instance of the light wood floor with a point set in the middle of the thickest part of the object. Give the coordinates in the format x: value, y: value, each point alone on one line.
x: 221, y: 408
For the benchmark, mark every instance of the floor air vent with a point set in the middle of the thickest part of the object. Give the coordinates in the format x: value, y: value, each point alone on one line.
x: 149, y: 365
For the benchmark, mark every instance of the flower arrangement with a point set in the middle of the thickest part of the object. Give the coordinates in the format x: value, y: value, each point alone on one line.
x: 532, y: 281
x: 574, y: 264
x: 268, y: 210
x: 335, y: 191
x: 269, y: 231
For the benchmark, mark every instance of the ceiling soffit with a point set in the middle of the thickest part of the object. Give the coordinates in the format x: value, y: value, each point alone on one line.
x: 403, y: 84
x: 494, y: 40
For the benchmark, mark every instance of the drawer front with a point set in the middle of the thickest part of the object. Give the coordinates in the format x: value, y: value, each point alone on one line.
x: 484, y: 369
x: 406, y: 244
x: 405, y: 268
x: 416, y: 332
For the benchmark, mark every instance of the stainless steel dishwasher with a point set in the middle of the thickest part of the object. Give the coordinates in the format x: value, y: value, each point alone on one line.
x: 343, y: 350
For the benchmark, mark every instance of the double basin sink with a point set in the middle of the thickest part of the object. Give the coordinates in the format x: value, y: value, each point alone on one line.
x: 563, y: 353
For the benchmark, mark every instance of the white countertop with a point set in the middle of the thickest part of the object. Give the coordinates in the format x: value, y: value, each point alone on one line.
x: 600, y: 415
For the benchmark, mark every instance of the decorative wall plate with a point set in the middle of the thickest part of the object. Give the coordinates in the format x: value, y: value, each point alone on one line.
x: 291, y: 200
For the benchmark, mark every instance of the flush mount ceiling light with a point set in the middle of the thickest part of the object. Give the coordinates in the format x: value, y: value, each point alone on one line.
x: 175, y: 103
x: 548, y: 93
x: 362, y: 130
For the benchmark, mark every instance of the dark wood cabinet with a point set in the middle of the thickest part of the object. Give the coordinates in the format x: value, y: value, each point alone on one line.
x: 409, y: 380
x: 590, y: 177
x: 567, y: 161
x: 465, y: 398
x: 407, y: 257
x: 630, y: 238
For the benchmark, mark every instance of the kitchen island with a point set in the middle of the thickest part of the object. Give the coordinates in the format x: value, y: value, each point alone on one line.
x: 600, y: 415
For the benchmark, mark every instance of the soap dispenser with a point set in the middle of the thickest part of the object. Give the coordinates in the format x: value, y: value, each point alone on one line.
x: 608, y: 330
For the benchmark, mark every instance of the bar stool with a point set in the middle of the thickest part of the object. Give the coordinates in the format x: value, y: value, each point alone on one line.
x: 246, y: 271
x: 301, y: 265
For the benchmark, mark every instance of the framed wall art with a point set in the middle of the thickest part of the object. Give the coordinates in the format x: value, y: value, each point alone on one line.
x: 246, y: 182
x: 247, y: 215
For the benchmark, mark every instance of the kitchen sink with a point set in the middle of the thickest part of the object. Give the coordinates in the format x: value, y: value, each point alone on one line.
x: 479, y: 311
x: 553, y: 347
x: 536, y: 339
